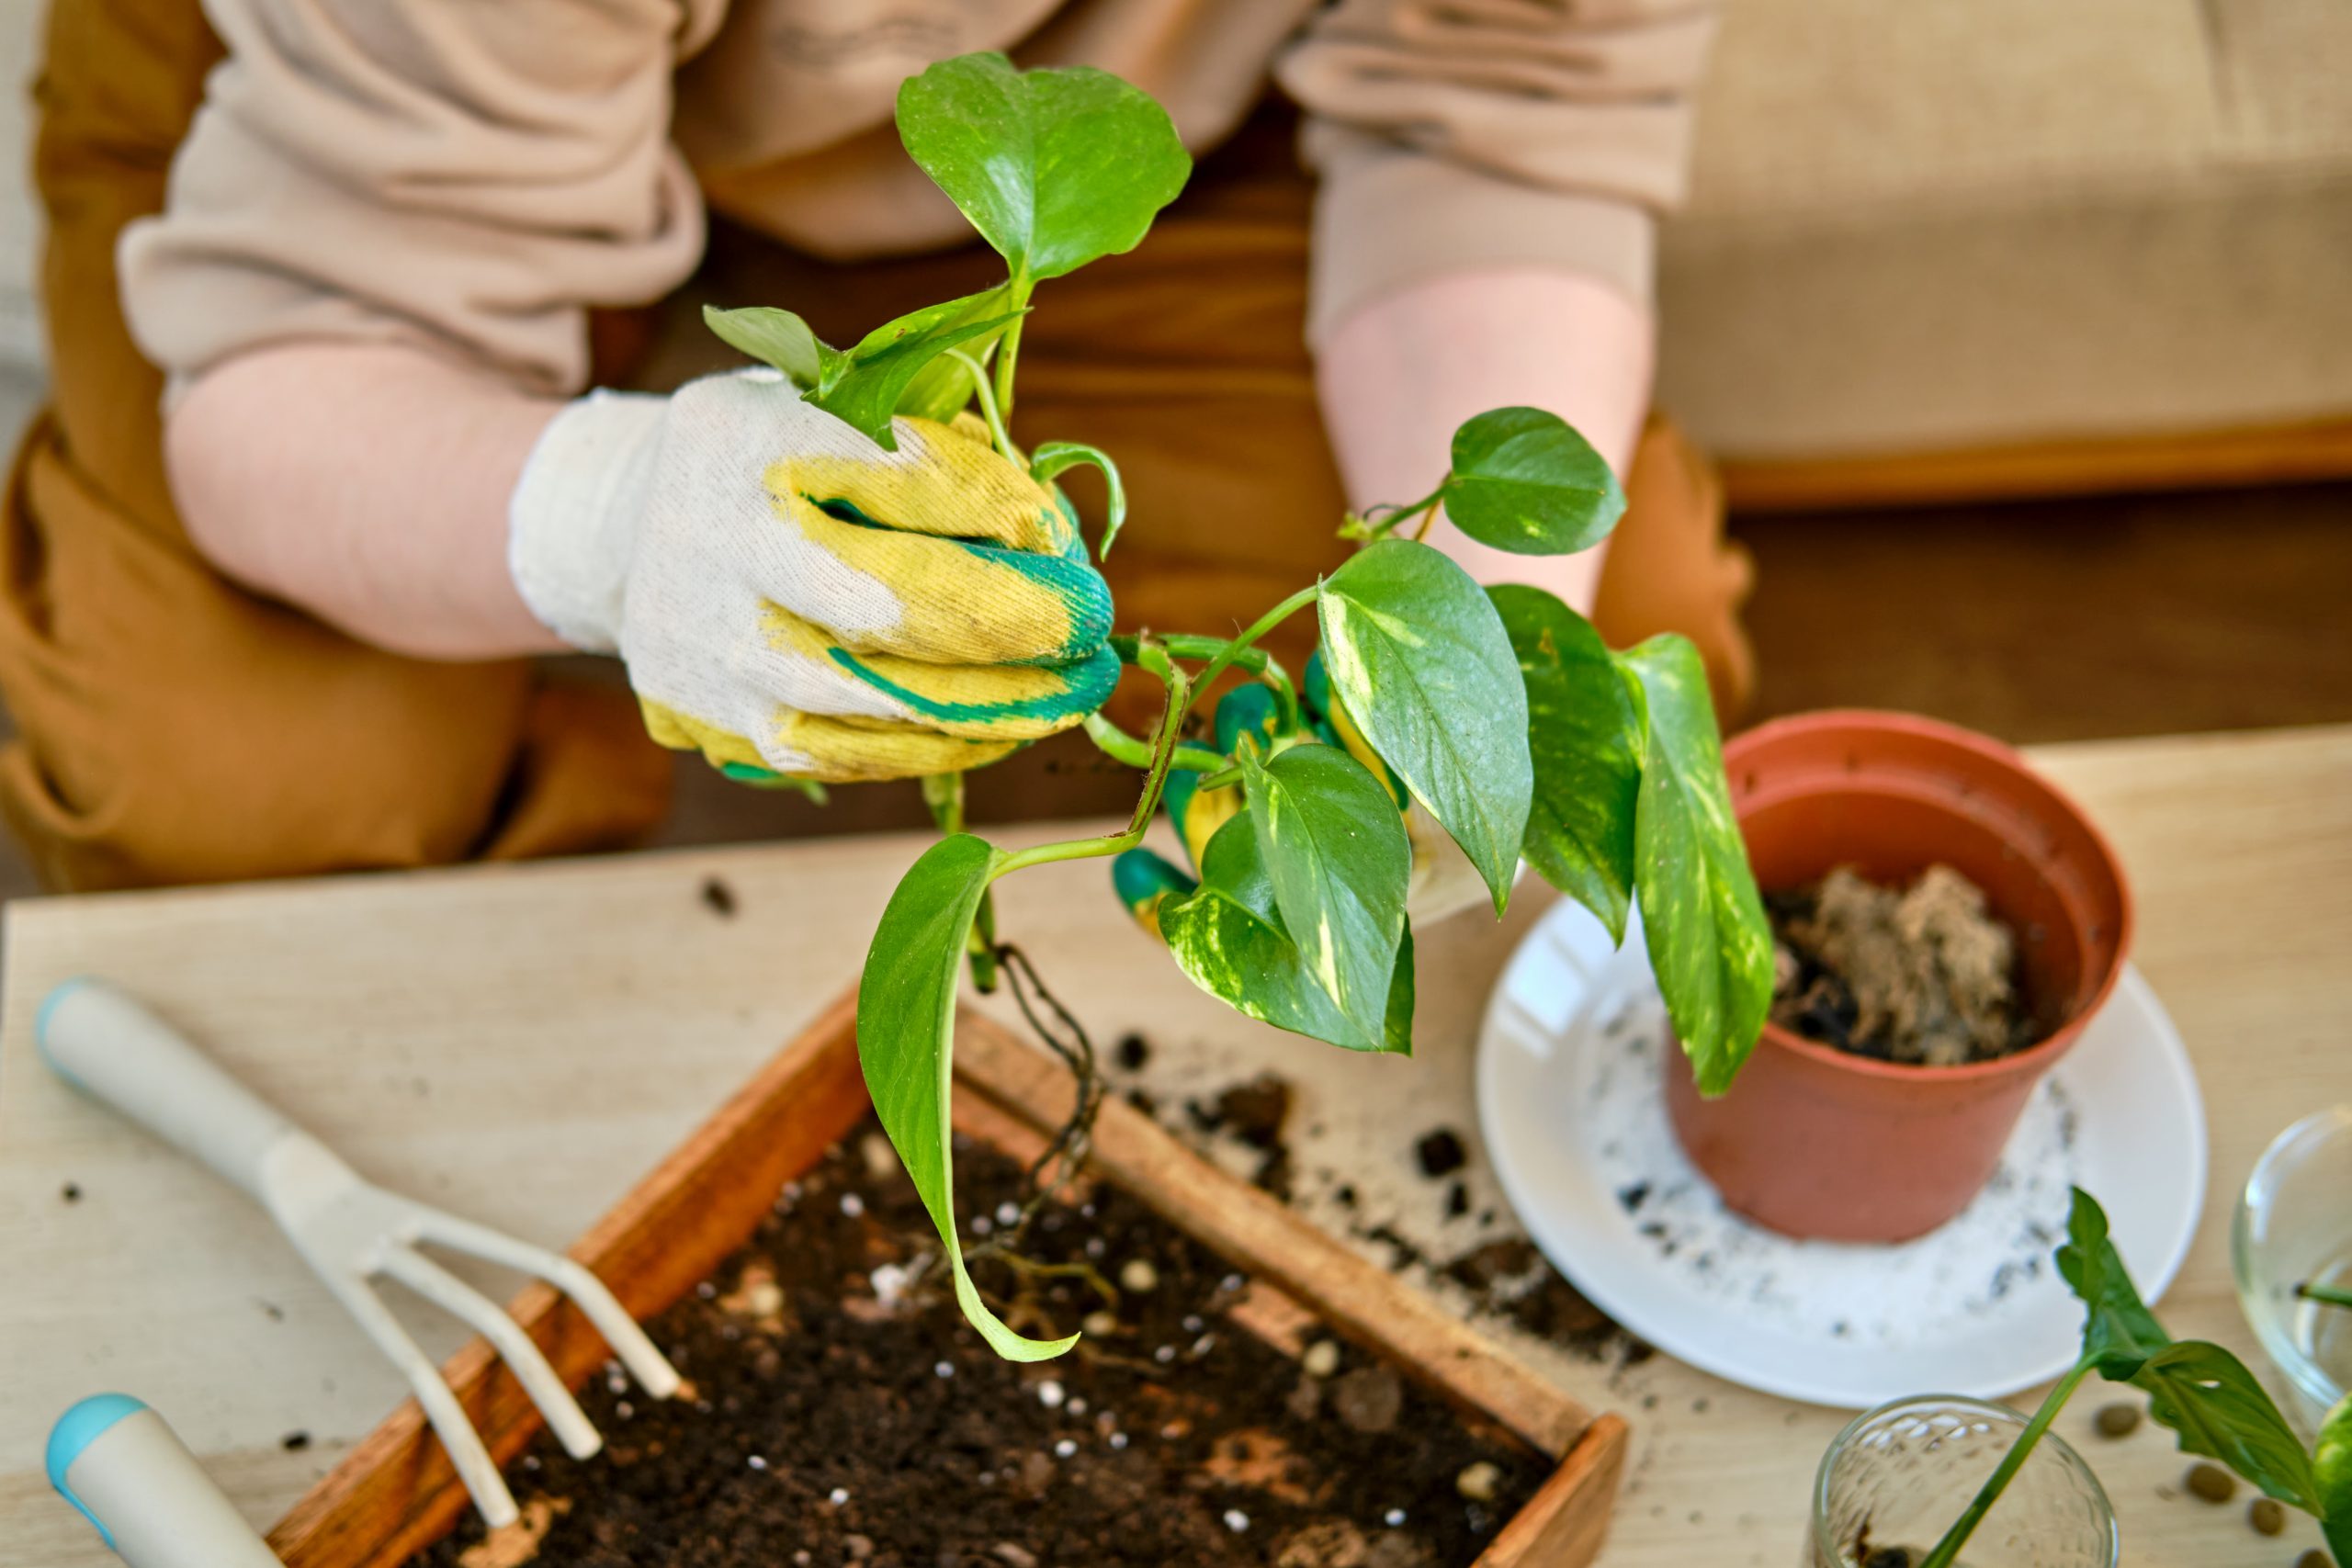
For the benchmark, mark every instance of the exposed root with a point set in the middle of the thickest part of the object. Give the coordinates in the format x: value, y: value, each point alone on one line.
x: 1065, y: 1154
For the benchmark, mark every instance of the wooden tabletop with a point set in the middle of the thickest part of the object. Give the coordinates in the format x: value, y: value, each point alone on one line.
x: 521, y: 1044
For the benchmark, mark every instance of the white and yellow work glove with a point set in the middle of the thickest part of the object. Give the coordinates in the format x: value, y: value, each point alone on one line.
x: 791, y: 599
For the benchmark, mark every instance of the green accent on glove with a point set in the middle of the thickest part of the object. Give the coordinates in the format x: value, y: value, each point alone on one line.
x: 1144, y: 881
x: 974, y: 702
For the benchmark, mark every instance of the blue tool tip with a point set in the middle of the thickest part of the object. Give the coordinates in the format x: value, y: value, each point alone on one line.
x: 48, y: 1009
x: 77, y: 1430
x: 80, y: 1427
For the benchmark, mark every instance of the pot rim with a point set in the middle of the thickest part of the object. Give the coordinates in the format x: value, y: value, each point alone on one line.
x: 2035, y: 1057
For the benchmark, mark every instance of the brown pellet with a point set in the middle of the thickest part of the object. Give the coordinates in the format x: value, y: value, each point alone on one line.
x: 2315, y: 1558
x: 2212, y: 1483
x: 2266, y: 1516
x: 2119, y: 1420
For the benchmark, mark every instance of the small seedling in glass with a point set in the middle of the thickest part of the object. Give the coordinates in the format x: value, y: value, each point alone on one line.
x: 2201, y: 1392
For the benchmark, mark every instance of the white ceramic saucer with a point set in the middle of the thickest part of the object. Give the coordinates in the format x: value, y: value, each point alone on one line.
x: 1575, y: 1123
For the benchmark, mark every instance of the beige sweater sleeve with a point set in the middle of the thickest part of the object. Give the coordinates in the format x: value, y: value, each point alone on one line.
x: 466, y: 175
x: 1453, y: 134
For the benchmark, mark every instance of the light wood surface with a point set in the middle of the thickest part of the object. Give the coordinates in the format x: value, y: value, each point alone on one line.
x: 523, y: 1043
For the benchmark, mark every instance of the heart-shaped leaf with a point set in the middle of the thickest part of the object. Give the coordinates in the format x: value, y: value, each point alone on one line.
x: 778, y: 338
x: 906, y: 1021
x: 866, y: 386
x: 1585, y: 737
x: 1702, y: 917
x: 1420, y: 658
x: 1336, y: 852
x: 2208, y: 1396
x: 1524, y: 481
x: 1228, y: 937
x: 1054, y: 167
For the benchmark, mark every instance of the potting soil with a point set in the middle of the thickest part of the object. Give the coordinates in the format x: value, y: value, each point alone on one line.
x: 841, y: 1410
x: 1924, y: 974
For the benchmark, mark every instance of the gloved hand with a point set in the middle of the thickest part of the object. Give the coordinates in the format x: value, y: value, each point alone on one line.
x: 792, y: 600
x: 1444, y: 882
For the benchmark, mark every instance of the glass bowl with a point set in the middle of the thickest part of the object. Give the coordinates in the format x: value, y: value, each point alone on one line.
x: 1900, y: 1474
x: 2295, y: 1227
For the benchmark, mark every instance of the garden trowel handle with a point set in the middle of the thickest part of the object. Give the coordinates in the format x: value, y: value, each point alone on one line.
x: 114, y: 1460
x: 109, y: 1046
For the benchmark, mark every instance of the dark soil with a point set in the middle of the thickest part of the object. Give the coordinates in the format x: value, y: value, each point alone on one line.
x: 840, y: 1415
x: 1254, y: 1111
x: 1924, y: 974
x: 1439, y: 1152
x: 1510, y: 1279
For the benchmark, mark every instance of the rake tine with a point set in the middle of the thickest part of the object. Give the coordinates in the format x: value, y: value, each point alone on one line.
x: 629, y: 1342
x: 453, y: 1295
x: 458, y: 1435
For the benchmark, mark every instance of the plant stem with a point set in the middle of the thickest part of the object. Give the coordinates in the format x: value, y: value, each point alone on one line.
x: 1256, y: 660
x: 1068, y: 849
x: 2326, y: 1296
x: 1148, y: 656
x: 1121, y: 747
x: 1153, y: 656
x: 1370, y: 527
x: 1190, y: 645
x: 991, y: 411
x: 1233, y: 650
x: 943, y: 796
x: 1009, y: 350
x: 1947, y: 1550
x: 942, y: 793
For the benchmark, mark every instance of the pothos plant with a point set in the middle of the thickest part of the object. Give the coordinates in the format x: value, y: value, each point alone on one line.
x: 1500, y: 713
x: 2201, y: 1391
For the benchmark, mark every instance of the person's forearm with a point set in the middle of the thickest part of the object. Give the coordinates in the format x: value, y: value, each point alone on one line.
x: 1398, y: 375
x: 367, y: 484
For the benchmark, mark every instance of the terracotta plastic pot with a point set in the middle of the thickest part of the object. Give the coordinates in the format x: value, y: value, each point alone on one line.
x: 1817, y: 1143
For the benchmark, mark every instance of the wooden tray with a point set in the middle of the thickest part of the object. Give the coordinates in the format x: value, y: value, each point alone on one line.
x: 395, y: 1491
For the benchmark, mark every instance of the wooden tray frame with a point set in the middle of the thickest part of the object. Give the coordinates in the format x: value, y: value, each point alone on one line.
x: 395, y: 1491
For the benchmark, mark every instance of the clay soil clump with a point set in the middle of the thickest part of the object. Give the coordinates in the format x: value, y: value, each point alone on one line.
x: 1924, y: 974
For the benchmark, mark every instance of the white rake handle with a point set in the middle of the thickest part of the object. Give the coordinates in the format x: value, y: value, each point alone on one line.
x: 114, y: 1460
x: 109, y: 1046
x: 104, y: 1041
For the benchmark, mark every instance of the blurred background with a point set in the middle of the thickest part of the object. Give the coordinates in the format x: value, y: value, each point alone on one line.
x: 2023, y: 333
x: 19, y: 324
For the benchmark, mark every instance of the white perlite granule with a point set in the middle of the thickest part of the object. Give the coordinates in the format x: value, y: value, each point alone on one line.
x: 1961, y: 1274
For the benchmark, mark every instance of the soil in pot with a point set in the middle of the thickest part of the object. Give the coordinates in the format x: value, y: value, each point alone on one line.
x: 841, y: 1414
x: 1924, y: 974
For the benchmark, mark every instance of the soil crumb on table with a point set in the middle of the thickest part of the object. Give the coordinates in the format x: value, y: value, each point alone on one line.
x: 1922, y: 975
x: 841, y: 1411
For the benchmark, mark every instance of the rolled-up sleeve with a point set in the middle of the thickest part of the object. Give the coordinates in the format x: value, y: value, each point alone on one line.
x: 1456, y: 134
x: 469, y: 177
